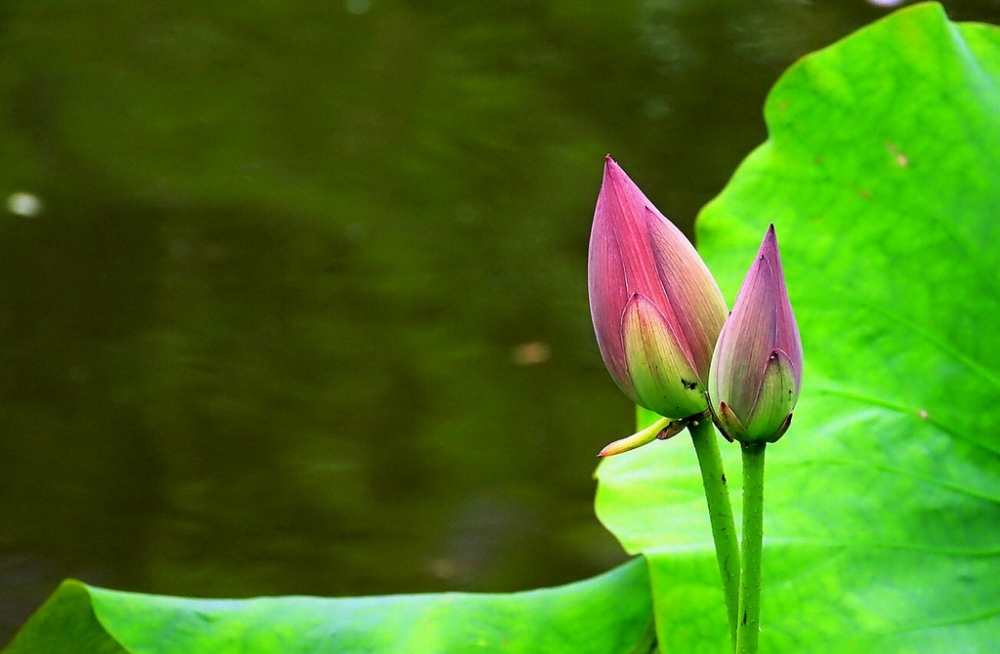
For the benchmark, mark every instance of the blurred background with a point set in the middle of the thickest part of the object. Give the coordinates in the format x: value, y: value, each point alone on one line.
x: 293, y: 294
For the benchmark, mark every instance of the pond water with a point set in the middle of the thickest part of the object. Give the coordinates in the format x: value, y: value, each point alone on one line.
x: 293, y: 294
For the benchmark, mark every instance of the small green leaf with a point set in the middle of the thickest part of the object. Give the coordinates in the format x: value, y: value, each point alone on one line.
x: 609, y: 613
x: 882, y: 502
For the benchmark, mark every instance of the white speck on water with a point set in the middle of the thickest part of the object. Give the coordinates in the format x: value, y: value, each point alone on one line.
x: 24, y: 204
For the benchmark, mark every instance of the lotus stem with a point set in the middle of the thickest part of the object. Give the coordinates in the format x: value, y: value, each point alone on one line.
x: 720, y: 512
x: 753, y: 538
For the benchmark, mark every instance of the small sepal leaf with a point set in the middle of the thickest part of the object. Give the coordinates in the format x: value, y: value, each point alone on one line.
x: 662, y: 429
x: 782, y: 429
x: 728, y: 423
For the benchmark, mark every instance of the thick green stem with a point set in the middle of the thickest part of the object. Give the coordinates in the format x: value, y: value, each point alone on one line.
x: 720, y: 512
x: 753, y: 539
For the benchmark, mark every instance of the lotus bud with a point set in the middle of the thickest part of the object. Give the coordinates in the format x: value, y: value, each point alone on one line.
x: 757, y: 368
x: 656, y: 308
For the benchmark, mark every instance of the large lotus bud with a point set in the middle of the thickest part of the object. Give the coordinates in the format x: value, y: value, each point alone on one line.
x: 757, y: 367
x: 657, y: 310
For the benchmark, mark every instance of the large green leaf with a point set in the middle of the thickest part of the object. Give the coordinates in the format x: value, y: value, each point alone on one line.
x: 882, y: 515
x: 609, y: 613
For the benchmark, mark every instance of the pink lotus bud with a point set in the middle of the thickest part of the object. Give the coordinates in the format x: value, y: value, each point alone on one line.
x: 657, y: 310
x: 757, y: 367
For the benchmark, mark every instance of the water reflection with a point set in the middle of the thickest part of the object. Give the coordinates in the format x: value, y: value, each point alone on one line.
x: 303, y: 306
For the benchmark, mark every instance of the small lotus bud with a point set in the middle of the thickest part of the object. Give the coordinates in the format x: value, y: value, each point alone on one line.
x: 757, y: 367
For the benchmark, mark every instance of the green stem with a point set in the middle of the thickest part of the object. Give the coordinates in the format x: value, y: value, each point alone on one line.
x: 720, y: 512
x: 753, y: 539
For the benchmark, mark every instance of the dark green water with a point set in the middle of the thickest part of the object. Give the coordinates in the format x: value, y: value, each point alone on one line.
x: 304, y: 307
